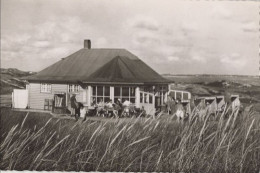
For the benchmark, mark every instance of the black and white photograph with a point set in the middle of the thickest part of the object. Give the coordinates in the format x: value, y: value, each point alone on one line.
x: 130, y: 86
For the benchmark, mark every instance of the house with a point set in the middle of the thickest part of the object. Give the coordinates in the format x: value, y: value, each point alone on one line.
x: 95, y: 74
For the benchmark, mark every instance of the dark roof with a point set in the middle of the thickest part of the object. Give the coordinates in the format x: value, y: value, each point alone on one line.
x: 99, y: 66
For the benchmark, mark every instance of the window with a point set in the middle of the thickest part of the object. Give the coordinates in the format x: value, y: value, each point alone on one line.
x: 45, y: 88
x: 146, y: 98
x: 185, y: 96
x: 73, y: 88
x: 162, y: 93
x: 124, y: 93
x: 150, y: 98
x: 178, y: 95
x: 100, y: 93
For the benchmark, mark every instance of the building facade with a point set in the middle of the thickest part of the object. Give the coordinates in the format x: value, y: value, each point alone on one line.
x: 95, y: 75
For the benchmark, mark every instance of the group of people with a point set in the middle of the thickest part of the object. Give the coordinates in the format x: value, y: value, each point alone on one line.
x: 175, y: 108
x: 108, y: 109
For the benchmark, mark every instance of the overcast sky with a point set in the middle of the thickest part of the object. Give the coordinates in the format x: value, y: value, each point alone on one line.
x: 180, y: 37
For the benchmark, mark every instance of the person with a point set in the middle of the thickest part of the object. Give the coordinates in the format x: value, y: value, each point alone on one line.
x: 118, y: 107
x: 126, y: 105
x: 78, y: 110
x: 73, y: 104
x: 179, y: 110
x: 83, y: 111
x: 110, y: 107
x: 93, y: 103
x: 172, y: 105
x: 143, y: 112
x: 100, y: 108
x: 168, y: 104
x: 109, y: 104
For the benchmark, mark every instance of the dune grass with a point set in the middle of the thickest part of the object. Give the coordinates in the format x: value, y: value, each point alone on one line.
x: 31, y: 141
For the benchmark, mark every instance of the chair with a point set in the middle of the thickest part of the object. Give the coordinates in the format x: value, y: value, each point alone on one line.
x: 46, y: 104
x: 50, y: 104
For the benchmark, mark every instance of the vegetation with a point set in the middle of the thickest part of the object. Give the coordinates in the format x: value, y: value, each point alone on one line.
x: 33, y: 141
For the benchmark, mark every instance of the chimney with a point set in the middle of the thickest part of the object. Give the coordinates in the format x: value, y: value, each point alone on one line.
x: 87, y: 44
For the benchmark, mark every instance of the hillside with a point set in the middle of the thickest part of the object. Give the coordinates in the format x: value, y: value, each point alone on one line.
x: 11, y: 79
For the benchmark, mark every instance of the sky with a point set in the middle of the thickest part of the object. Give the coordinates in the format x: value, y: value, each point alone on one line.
x: 171, y: 36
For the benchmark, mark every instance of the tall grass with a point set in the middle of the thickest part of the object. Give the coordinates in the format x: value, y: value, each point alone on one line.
x: 35, y: 142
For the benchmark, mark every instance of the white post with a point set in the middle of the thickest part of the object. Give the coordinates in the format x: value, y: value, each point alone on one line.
x: 137, y: 97
x: 153, y: 101
x: 84, y: 99
x: 112, y: 94
x: 28, y: 88
x: 89, y: 93
x: 13, y: 99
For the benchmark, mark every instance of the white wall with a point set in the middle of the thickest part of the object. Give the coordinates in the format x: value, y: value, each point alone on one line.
x: 36, y: 97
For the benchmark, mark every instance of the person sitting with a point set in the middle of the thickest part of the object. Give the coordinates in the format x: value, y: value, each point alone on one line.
x: 126, y: 106
x: 118, y: 108
x: 100, y: 108
x: 179, y: 110
x: 93, y: 103
x: 109, y: 107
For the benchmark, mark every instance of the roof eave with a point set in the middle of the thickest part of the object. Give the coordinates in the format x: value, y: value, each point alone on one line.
x: 113, y: 83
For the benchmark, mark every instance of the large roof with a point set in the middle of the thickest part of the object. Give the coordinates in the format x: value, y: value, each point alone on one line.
x: 99, y: 66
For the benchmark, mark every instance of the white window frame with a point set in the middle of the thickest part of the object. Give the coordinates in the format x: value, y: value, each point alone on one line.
x: 45, y: 88
x: 101, y: 96
x: 73, y: 88
x: 129, y: 97
x: 147, y: 97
